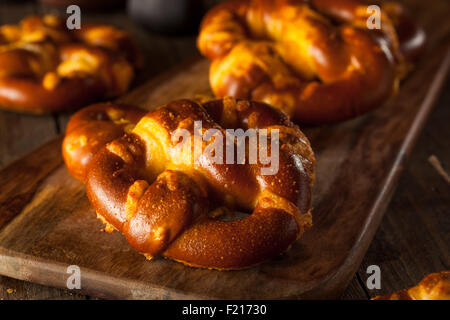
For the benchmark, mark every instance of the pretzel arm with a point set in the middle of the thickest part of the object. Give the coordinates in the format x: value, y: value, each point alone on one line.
x: 90, y: 129
x: 222, y: 28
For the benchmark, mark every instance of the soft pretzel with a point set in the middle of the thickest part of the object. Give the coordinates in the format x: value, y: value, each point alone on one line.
x: 316, y: 60
x: 44, y: 67
x: 435, y: 286
x: 166, y: 199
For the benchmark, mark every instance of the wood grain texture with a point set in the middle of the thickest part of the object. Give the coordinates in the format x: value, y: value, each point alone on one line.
x: 414, y: 237
x: 21, y: 133
x: 358, y: 163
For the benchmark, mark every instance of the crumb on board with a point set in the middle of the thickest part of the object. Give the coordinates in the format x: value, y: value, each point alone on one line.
x: 434, y: 161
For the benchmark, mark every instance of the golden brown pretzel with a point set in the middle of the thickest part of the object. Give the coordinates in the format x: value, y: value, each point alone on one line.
x: 435, y: 286
x: 164, y: 198
x: 316, y: 59
x: 44, y: 67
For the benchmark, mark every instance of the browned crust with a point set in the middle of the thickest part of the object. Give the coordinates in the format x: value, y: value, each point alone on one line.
x: 135, y: 183
x: 315, y: 60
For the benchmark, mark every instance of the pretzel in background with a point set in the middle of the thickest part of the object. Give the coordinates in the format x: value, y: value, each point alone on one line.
x: 44, y: 67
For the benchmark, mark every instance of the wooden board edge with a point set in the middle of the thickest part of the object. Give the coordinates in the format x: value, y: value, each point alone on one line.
x: 55, y: 274
x: 334, y: 285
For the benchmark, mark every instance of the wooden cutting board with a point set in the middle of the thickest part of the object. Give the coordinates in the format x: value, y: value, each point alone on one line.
x: 47, y: 224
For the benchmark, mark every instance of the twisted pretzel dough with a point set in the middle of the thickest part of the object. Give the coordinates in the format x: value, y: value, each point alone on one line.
x: 316, y: 59
x: 154, y: 192
x: 44, y: 67
x: 435, y: 286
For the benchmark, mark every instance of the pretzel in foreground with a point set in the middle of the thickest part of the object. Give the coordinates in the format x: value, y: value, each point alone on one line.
x: 44, y: 67
x: 168, y: 200
x: 316, y: 60
x: 435, y: 286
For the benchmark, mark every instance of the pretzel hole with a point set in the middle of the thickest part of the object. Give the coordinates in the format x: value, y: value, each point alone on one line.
x: 232, y: 216
x: 223, y: 213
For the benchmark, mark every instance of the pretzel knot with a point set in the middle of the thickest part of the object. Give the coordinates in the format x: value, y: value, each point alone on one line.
x: 169, y: 200
x: 44, y: 67
x: 317, y: 60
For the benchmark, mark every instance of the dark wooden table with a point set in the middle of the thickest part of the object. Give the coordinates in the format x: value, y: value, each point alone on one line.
x: 413, y: 238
